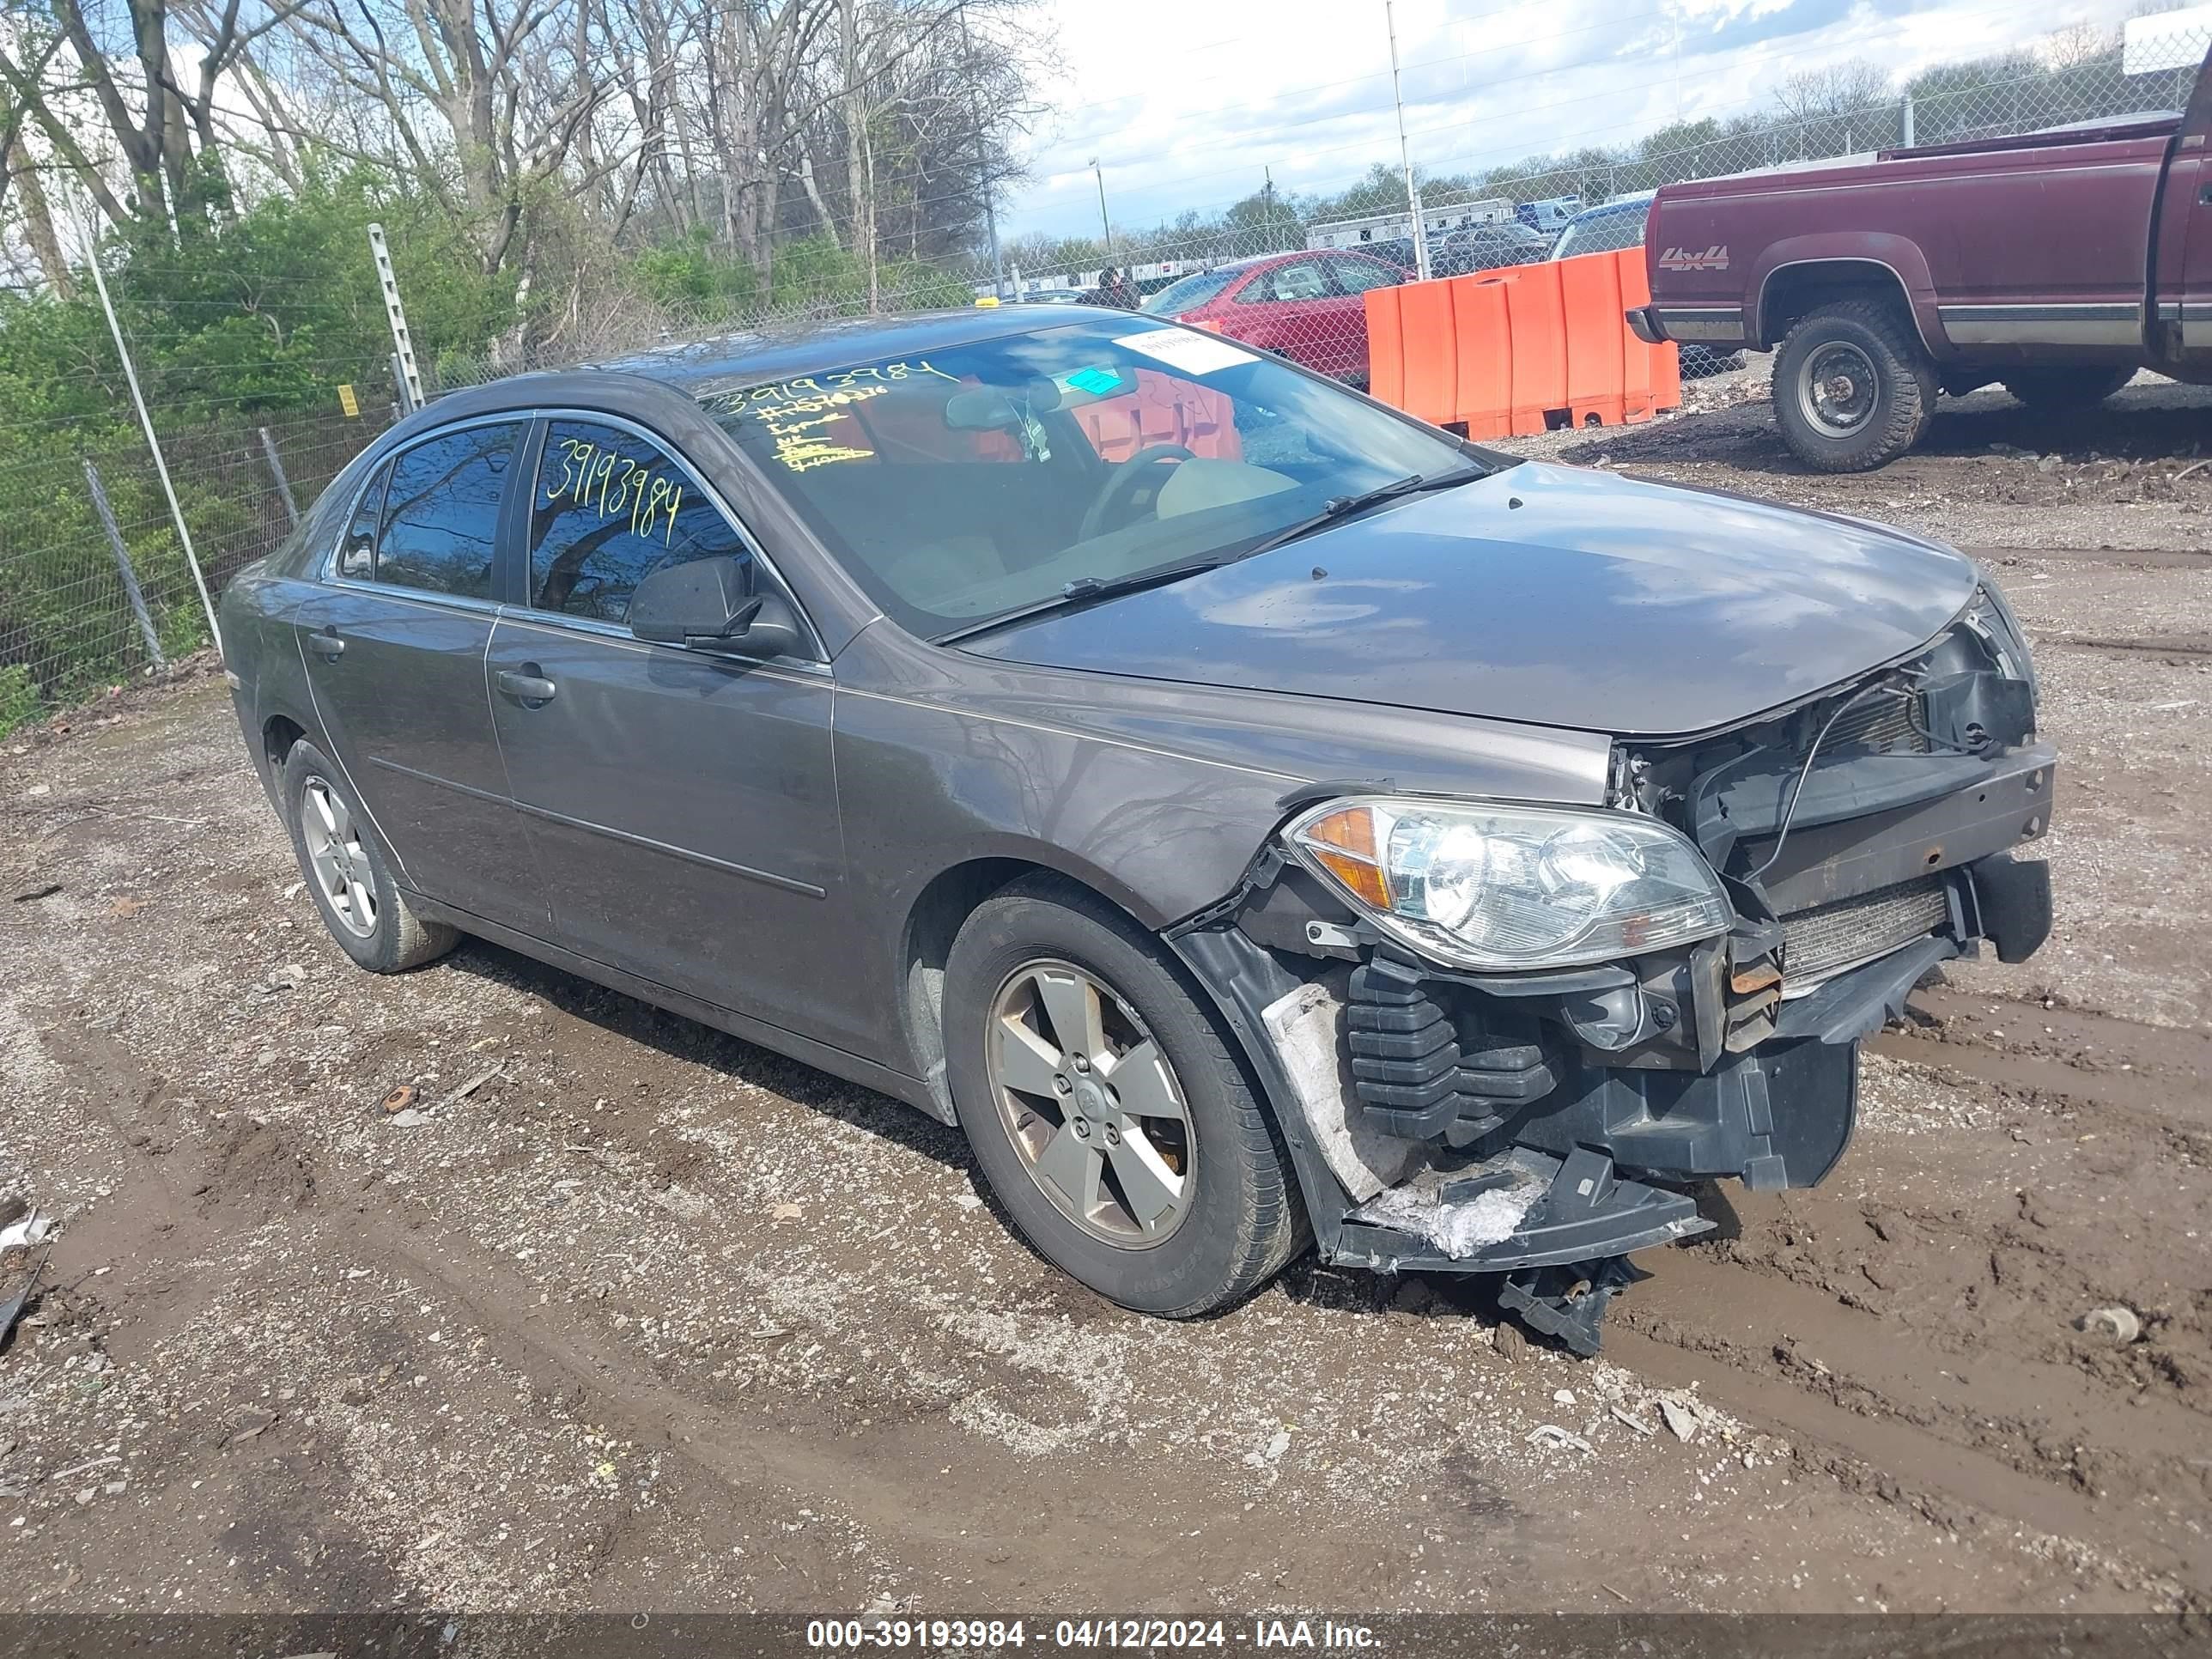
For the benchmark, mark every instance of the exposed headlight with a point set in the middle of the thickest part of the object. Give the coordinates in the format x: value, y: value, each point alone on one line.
x: 1513, y: 887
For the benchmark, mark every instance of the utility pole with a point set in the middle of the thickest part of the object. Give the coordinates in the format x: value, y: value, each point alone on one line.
x: 982, y: 160
x: 1406, y: 154
x: 1104, y: 224
x: 1267, y: 208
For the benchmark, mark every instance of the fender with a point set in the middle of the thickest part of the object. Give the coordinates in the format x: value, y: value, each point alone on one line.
x: 1901, y: 256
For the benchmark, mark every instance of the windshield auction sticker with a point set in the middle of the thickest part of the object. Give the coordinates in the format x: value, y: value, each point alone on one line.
x: 1191, y: 352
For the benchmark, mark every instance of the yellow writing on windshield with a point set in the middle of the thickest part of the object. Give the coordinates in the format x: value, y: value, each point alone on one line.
x: 613, y: 484
x: 807, y: 416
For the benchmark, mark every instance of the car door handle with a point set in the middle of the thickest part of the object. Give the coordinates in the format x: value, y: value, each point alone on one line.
x: 2205, y: 195
x: 525, y: 688
x: 326, y: 644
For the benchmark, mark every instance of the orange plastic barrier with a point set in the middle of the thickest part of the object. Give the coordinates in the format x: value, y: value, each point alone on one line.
x: 1522, y: 349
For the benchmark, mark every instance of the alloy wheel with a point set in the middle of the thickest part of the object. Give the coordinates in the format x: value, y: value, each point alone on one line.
x: 1092, y: 1104
x: 339, y: 860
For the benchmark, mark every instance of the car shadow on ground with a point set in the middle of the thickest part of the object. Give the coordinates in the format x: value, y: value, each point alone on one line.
x: 2151, y: 420
x: 629, y: 1020
x: 626, y: 1019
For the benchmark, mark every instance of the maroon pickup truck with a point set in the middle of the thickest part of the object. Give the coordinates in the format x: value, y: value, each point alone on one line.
x: 2058, y: 263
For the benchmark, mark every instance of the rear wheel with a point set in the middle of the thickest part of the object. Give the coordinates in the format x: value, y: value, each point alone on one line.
x: 1107, y: 1113
x: 349, y: 873
x: 1852, y: 387
x: 2066, y: 388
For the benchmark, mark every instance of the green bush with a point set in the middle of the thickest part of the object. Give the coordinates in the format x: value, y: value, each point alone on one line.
x: 19, y: 698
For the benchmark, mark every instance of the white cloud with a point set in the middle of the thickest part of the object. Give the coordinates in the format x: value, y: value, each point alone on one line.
x: 1184, y: 106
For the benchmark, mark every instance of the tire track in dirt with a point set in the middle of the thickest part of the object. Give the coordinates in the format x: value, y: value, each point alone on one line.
x: 1957, y: 1437
x: 2130, y: 558
x: 1932, y: 1390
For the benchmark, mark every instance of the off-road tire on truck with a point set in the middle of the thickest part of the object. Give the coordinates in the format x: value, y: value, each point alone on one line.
x: 349, y: 872
x: 1046, y: 944
x: 2066, y: 388
x: 1852, y: 387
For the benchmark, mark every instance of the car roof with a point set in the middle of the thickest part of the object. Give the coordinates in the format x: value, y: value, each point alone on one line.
x: 700, y: 367
x: 1607, y: 209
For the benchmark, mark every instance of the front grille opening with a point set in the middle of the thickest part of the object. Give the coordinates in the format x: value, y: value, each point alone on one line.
x: 1817, y: 942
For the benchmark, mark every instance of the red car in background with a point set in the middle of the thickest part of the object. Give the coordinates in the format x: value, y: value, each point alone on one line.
x: 1305, y: 306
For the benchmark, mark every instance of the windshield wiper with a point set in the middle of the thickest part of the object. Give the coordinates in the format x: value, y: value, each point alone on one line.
x: 1083, y: 591
x: 1088, y: 590
x: 1343, y: 506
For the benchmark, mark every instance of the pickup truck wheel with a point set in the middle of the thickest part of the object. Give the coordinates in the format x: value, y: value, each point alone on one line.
x: 1852, y: 387
x: 1107, y: 1113
x: 2066, y: 388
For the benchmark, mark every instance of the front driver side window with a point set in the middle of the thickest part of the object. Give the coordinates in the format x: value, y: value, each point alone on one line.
x: 1301, y: 281
x: 609, y: 509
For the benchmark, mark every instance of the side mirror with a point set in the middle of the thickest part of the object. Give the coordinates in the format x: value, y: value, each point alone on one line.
x: 709, y: 604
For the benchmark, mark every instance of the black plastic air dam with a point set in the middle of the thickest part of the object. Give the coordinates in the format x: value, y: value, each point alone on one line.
x: 1778, y: 1116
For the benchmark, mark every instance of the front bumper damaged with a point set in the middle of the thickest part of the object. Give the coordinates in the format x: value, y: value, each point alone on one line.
x: 1541, y: 1126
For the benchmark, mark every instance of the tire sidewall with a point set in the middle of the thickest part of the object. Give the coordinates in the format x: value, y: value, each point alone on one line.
x: 1184, y: 1272
x: 1902, y: 397
x: 380, y: 951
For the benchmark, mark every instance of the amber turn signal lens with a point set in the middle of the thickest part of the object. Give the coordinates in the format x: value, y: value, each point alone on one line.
x: 1343, y: 843
x: 1352, y: 830
x: 1364, y: 880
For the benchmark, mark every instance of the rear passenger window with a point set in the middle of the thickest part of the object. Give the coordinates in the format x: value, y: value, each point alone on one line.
x: 609, y: 509
x: 441, y: 512
x: 357, y: 553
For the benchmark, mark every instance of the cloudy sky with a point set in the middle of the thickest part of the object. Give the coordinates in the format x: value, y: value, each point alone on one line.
x: 1185, y: 101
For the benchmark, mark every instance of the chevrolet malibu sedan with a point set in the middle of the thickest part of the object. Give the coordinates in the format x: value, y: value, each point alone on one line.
x: 1253, y: 817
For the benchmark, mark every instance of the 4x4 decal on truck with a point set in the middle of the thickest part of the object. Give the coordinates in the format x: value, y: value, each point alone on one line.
x: 1715, y: 258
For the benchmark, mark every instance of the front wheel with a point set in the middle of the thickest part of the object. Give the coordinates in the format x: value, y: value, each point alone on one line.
x: 1852, y: 387
x: 2066, y: 388
x: 1107, y: 1113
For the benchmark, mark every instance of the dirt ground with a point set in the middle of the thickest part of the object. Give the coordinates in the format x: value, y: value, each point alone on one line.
x: 648, y: 1319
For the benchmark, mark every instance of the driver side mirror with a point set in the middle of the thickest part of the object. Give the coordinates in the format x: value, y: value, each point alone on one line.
x: 709, y: 604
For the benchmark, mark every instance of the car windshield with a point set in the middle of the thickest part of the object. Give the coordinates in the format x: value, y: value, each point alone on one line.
x: 1603, y: 233
x: 991, y: 478
x: 1188, y: 293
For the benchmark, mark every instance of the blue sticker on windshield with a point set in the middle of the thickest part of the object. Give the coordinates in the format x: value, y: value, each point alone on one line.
x: 1098, y: 382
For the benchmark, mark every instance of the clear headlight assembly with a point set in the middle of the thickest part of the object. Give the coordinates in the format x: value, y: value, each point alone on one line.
x: 1501, y: 888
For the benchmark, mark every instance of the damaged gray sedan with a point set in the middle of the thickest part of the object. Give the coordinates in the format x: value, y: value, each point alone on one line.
x: 1253, y: 817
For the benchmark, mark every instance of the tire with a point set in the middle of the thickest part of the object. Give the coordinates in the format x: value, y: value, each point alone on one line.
x: 1866, y: 346
x: 2066, y: 388
x: 317, y: 802
x: 1237, y: 1218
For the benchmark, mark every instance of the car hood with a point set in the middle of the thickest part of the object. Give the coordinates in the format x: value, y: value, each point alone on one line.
x: 1550, y: 595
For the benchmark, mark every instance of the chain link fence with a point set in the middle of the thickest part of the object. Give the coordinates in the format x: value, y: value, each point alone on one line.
x: 68, y: 624
x: 95, y: 587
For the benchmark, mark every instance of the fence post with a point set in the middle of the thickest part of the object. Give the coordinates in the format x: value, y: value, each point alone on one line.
x: 1908, y: 121
x: 283, y: 483
x: 403, y: 343
x: 160, y: 465
x: 123, y: 563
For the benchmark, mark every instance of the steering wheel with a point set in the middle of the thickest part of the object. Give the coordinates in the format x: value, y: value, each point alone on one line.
x: 1128, y: 480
